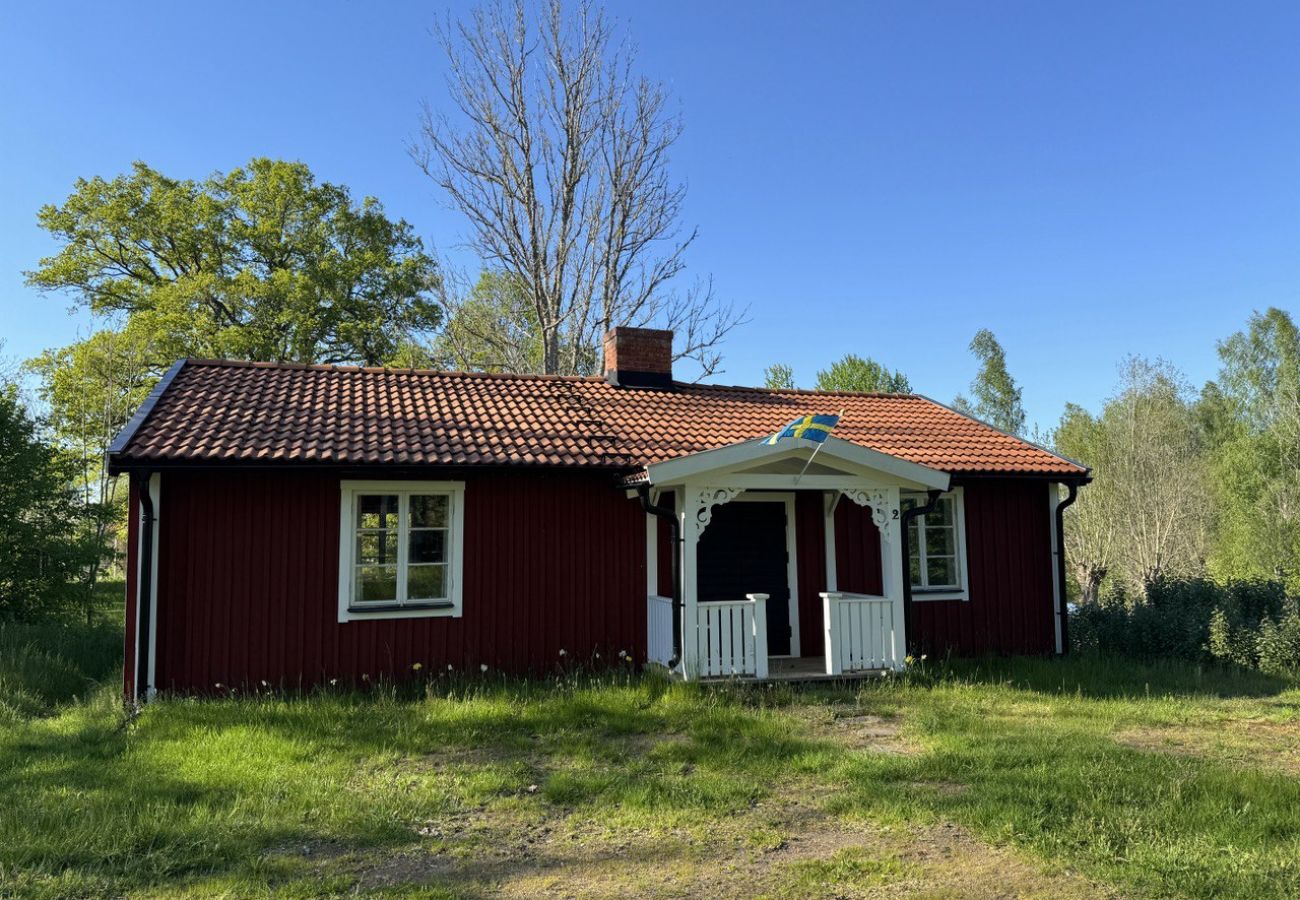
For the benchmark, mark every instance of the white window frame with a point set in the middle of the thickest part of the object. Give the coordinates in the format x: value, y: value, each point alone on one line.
x: 962, y: 592
x: 455, y: 492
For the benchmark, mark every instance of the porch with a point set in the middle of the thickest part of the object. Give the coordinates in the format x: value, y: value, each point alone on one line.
x: 740, y: 595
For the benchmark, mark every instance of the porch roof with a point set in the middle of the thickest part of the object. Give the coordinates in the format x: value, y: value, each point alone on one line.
x: 274, y: 413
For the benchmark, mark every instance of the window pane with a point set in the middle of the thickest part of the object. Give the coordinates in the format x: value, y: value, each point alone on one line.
x: 940, y: 541
x: 376, y: 584
x: 377, y: 547
x: 916, y: 572
x: 426, y: 583
x: 377, y: 511
x: 942, y: 571
x: 942, y: 513
x: 428, y: 546
x: 429, y: 511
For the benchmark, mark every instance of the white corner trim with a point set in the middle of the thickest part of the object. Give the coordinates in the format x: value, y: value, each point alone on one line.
x: 1058, y: 610
x: 921, y: 595
x: 456, y: 538
x: 154, y: 487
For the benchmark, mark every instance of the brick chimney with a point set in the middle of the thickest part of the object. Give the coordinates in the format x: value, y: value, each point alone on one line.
x: 639, y: 357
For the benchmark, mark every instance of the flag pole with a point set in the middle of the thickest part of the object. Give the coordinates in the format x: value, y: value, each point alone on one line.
x: 839, y: 418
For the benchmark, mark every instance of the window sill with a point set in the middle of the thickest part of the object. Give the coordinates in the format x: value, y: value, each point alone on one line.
x: 442, y: 608
x: 927, y: 595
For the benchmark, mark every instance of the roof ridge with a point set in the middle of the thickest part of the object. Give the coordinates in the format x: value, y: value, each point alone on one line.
x: 381, y: 370
x: 778, y: 392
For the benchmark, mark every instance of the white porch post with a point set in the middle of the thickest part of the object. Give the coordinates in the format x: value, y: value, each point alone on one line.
x: 830, y: 642
x: 891, y: 570
x: 686, y: 513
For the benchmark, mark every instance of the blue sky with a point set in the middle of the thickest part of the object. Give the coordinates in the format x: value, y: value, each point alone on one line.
x: 1087, y: 180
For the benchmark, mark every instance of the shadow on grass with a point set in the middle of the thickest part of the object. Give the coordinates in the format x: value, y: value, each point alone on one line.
x: 1105, y: 677
x: 201, y: 787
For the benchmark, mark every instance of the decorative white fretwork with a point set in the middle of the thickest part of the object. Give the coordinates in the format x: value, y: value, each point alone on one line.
x: 884, y: 508
x: 710, y: 497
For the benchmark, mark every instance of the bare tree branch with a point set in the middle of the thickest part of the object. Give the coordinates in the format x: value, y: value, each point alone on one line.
x: 558, y: 156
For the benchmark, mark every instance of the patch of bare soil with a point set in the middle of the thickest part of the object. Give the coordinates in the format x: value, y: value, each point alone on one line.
x: 765, y: 851
x: 785, y: 845
x: 1251, y: 743
x: 858, y: 730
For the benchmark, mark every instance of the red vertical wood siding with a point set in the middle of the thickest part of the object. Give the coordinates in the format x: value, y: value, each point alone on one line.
x: 1009, y: 564
x: 664, y: 570
x: 248, y: 578
x: 1009, y: 559
x: 857, y: 550
x: 810, y: 555
x: 248, y: 581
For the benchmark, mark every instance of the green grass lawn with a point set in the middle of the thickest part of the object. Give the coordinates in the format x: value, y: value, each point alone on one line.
x: 1020, y: 777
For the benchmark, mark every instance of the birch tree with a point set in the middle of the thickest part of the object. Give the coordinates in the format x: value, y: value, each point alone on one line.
x: 557, y: 154
x: 1146, y: 514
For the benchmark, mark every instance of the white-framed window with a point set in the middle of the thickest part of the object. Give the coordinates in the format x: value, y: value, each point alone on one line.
x: 401, y: 548
x: 936, y: 545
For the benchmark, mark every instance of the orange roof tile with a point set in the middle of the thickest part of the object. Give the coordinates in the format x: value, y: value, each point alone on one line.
x: 216, y: 411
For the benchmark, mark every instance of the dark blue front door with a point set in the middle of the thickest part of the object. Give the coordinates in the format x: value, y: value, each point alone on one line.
x: 743, y: 551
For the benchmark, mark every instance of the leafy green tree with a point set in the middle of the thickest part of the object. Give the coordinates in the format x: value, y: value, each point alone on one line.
x: 996, y: 397
x: 779, y: 377
x: 853, y: 373
x: 1252, y: 416
x: 90, y: 389
x: 45, y: 546
x: 262, y: 263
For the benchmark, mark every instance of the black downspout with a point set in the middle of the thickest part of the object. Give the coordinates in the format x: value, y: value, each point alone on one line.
x: 905, y: 528
x: 1063, y: 609
x: 145, y: 590
x: 675, y: 527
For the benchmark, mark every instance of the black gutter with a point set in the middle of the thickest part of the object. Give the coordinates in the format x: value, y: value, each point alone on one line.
x: 670, y: 515
x: 144, y: 581
x: 905, y: 529
x: 1063, y: 608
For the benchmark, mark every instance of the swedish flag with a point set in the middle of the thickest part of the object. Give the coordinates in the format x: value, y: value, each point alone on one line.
x: 810, y: 428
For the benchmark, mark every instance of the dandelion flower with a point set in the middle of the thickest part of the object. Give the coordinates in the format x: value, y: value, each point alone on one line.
x: 415, y: 667
x: 482, y: 667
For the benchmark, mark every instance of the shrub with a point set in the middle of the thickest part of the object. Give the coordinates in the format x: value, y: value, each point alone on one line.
x: 1247, y: 623
x: 1277, y: 646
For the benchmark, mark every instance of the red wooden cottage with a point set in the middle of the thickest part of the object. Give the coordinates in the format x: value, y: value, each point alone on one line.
x: 295, y: 524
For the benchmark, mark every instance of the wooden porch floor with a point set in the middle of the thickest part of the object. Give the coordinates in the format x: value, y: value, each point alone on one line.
x: 803, y: 668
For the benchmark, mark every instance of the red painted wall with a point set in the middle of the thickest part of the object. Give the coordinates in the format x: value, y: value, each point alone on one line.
x: 1009, y: 555
x: 248, y: 578
x: 1009, y: 560
x: 248, y: 581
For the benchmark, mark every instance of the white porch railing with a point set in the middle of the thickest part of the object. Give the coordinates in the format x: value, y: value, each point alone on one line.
x: 859, y: 632
x: 731, y: 637
x: 659, y: 628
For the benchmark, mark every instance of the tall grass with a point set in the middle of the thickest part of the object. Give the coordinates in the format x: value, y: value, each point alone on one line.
x: 48, y: 665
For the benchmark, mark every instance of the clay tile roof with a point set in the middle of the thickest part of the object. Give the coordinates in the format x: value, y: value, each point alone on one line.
x: 216, y: 411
